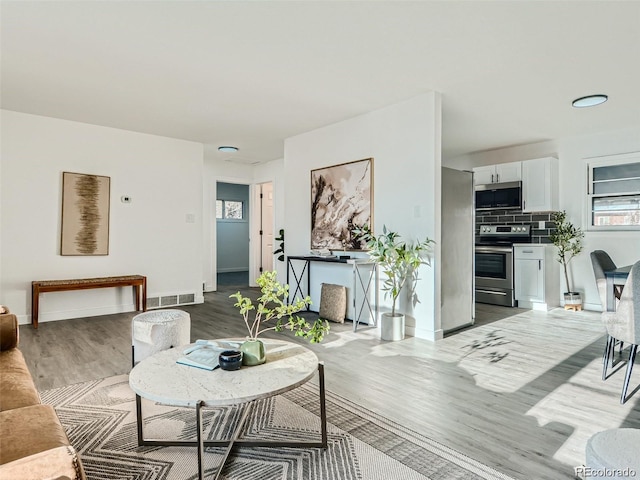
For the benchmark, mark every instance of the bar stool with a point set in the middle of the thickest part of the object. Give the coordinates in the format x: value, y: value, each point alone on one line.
x: 158, y: 330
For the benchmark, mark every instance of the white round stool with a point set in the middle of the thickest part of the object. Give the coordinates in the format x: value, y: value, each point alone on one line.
x: 159, y: 330
x: 614, y: 453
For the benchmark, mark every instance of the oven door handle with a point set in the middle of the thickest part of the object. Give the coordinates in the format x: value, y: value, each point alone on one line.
x: 491, y: 292
x: 489, y: 249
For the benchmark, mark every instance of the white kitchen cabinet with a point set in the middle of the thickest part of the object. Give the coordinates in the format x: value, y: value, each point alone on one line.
x: 536, y: 276
x: 540, y: 185
x: 504, y: 172
x: 529, y: 273
x: 484, y: 175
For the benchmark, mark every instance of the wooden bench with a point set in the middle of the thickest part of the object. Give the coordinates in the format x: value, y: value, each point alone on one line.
x: 138, y: 282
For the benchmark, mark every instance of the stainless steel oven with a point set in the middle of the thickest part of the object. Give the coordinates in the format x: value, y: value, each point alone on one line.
x: 494, y: 275
x: 494, y: 262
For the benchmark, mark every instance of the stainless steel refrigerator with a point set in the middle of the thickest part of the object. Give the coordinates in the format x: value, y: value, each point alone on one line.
x: 457, y: 254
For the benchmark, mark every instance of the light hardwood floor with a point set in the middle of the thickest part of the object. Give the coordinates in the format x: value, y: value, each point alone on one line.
x: 520, y: 391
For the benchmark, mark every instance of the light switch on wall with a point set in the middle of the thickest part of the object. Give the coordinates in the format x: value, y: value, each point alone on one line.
x: 190, y: 218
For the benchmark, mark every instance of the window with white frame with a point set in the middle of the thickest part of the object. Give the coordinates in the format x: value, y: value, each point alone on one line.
x: 614, y: 192
x: 229, y: 209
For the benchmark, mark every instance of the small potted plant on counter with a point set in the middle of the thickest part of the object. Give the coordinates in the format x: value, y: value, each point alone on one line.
x: 272, y: 306
x: 568, y: 240
x: 399, y: 261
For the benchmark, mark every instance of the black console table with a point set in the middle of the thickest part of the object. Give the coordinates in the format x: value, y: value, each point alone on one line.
x: 366, y: 279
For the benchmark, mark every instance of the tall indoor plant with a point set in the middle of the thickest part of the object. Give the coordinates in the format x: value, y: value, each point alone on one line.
x: 399, y: 261
x: 567, y: 238
x: 272, y: 305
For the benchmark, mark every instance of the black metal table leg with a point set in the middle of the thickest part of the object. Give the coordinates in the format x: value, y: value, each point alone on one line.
x: 298, y: 279
x: 234, y: 439
x: 323, y: 405
x: 200, y: 440
x: 139, y: 420
x: 357, y: 274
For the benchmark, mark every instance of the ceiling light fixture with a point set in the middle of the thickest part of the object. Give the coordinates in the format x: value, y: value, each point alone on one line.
x: 589, y: 101
x: 227, y: 148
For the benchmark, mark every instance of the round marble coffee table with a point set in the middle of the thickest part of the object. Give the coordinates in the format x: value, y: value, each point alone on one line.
x: 160, y: 379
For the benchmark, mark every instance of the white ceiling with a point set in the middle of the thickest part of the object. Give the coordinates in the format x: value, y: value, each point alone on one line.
x: 253, y: 73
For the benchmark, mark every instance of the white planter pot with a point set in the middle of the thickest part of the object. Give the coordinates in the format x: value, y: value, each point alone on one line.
x: 392, y: 327
x: 572, y: 298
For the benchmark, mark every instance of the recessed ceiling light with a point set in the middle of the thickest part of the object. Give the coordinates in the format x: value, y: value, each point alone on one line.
x: 227, y: 148
x: 589, y: 101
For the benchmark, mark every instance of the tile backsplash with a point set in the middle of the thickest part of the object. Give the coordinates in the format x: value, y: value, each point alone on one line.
x: 504, y: 217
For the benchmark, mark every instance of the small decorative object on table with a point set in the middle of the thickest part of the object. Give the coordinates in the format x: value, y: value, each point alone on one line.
x: 230, y: 360
x: 272, y: 306
x: 252, y: 352
x: 210, y: 354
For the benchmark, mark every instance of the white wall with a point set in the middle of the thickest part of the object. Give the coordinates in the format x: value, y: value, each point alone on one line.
x: 150, y: 236
x: 404, y: 141
x: 572, y: 152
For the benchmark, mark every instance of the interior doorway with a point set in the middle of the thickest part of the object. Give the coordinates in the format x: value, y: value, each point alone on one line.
x: 232, y: 234
x: 266, y: 227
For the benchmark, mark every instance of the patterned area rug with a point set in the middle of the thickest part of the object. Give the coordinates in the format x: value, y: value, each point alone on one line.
x: 100, y: 420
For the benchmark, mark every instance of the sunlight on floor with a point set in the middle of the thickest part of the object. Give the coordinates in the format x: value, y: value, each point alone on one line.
x: 489, y: 349
x: 578, y: 403
x: 344, y: 338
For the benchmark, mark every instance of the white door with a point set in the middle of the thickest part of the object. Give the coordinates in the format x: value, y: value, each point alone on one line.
x: 266, y: 226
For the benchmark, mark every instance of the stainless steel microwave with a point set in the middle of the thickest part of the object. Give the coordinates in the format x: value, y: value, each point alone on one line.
x: 499, y: 196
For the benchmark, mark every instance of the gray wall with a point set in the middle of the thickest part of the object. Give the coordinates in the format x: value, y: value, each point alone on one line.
x: 233, y: 235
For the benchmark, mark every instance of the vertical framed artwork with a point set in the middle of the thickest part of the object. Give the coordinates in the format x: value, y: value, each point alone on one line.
x: 341, y: 199
x: 85, y: 214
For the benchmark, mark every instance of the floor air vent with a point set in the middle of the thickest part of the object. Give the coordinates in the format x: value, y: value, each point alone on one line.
x: 171, y: 300
x: 153, y: 302
x: 187, y: 298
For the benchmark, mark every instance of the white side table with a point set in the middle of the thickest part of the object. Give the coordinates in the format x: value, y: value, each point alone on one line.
x: 365, y: 273
x: 158, y: 330
x: 368, y: 280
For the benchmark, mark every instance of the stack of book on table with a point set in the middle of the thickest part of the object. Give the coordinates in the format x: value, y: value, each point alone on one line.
x: 205, y: 353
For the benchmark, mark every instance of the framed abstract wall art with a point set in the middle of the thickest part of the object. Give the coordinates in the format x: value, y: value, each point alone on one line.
x: 341, y: 199
x: 85, y: 214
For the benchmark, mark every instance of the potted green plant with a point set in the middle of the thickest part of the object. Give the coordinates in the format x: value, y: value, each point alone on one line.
x: 272, y: 305
x: 568, y: 240
x: 399, y: 261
